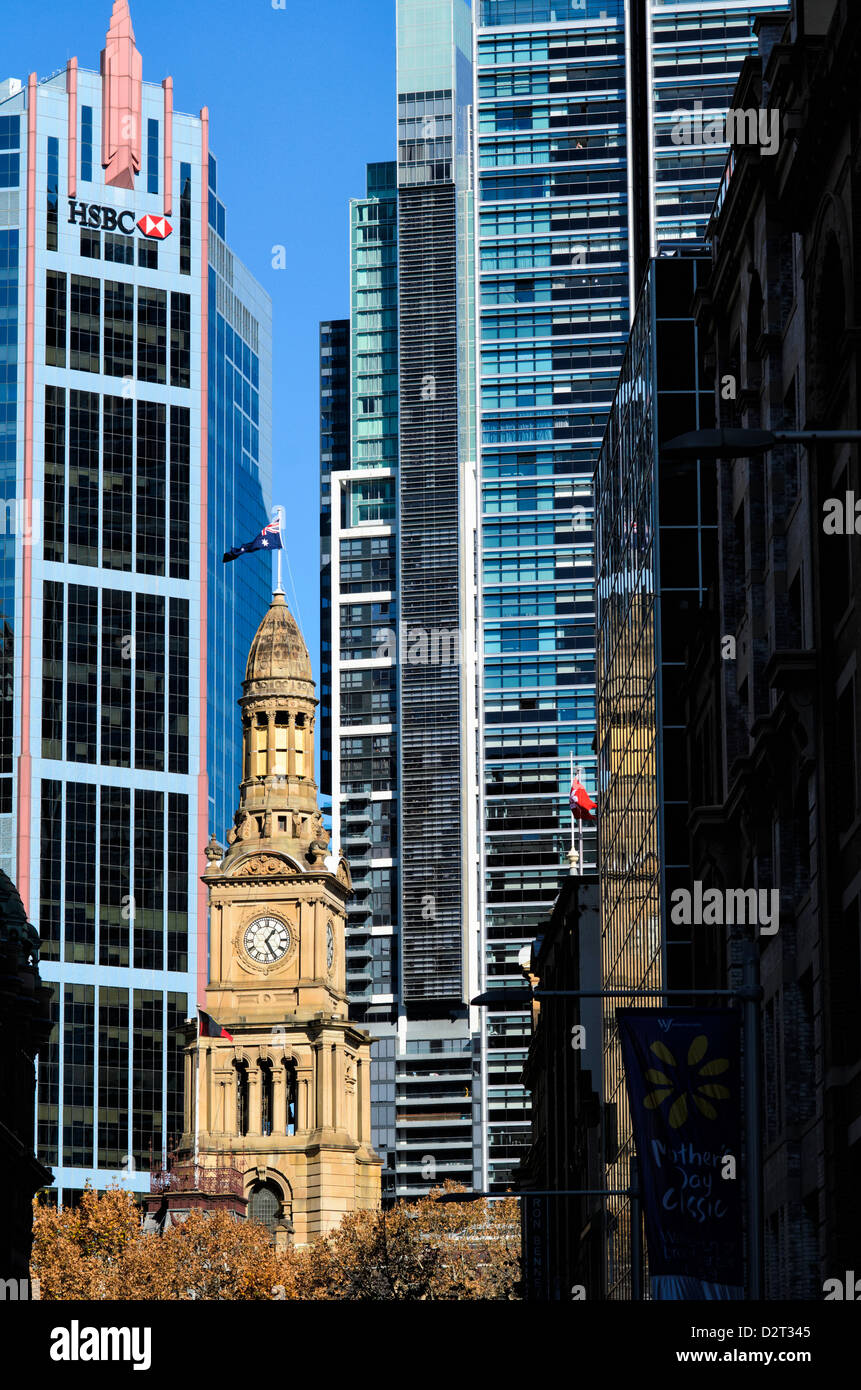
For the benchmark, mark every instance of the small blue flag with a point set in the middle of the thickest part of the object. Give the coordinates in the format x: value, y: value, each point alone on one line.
x: 269, y: 539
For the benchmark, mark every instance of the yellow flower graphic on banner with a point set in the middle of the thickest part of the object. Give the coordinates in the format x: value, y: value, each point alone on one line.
x: 702, y: 1092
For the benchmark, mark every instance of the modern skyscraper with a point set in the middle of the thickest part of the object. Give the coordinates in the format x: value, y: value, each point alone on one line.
x: 579, y: 179
x: 539, y: 168
x: 135, y: 436
x: 552, y: 250
x: 656, y: 556
x: 334, y: 454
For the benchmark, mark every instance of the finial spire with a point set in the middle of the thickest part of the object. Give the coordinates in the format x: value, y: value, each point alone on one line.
x: 122, y: 73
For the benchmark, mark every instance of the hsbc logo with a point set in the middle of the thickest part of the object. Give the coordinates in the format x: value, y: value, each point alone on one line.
x: 157, y: 227
x: 109, y: 220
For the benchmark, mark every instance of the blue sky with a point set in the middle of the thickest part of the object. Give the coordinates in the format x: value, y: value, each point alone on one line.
x: 300, y: 99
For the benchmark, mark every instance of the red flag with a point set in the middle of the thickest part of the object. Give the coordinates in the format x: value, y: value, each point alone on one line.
x: 580, y: 801
x: 208, y: 1028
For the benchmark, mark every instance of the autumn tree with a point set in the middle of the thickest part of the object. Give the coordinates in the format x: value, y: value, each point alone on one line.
x: 99, y: 1250
x: 424, y: 1250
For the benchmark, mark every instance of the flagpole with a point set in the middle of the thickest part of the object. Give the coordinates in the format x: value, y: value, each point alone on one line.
x: 279, y: 512
x: 580, y: 826
x: 572, y: 855
x: 197, y: 1103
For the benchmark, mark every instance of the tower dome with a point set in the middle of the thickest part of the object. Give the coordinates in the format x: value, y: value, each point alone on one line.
x: 278, y: 651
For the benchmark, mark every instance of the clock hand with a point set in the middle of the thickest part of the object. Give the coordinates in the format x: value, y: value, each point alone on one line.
x: 269, y: 941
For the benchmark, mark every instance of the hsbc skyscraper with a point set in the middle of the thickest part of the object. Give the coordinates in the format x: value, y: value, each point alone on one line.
x: 135, y: 404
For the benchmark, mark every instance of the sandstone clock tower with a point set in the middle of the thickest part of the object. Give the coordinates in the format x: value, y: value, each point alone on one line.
x: 286, y: 1099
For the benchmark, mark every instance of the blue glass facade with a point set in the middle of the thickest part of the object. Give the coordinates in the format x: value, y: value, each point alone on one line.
x: 579, y: 174
x: 99, y: 819
x: 240, y: 495
x: 9, y: 330
x: 553, y: 315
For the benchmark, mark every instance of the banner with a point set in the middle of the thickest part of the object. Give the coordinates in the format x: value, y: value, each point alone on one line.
x: 682, y: 1068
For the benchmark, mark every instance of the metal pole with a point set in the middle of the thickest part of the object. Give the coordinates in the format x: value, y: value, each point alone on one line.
x: 197, y: 1104
x: 636, y: 1233
x: 811, y: 436
x: 279, y: 511
x: 752, y: 1024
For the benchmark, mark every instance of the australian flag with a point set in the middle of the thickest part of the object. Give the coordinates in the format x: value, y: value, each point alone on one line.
x: 268, y: 539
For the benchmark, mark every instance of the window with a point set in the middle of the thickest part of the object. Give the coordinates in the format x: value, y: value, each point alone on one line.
x: 265, y: 1205
x: 261, y: 746
x: 180, y: 484
x: 282, y: 730
x: 86, y: 144
x: 148, y: 254
x: 52, y: 670
x: 180, y: 340
x: 55, y: 319
x: 148, y: 890
x: 10, y: 166
x: 241, y: 1097
x: 185, y: 219
x: 152, y: 157
x: 55, y: 472
x: 53, y: 192
x: 119, y: 249
x: 116, y: 680
x: 84, y: 323
x: 91, y: 244
x: 152, y: 335
x: 119, y: 329
x: 151, y: 486
x: 83, y: 500
x: 149, y: 682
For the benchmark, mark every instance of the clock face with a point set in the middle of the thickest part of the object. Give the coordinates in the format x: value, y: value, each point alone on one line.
x: 330, y: 946
x: 267, y: 940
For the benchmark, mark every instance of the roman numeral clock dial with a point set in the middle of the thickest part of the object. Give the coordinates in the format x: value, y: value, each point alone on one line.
x: 267, y: 940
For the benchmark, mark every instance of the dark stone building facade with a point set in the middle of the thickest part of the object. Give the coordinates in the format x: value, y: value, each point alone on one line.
x: 774, y: 688
x: 563, y: 1236
x: 24, y: 1028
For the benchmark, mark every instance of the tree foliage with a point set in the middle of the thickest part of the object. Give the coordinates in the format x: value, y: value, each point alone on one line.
x: 422, y: 1250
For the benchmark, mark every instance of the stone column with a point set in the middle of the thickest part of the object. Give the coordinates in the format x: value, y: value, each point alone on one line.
x: 223, y: 1094
x: 321, y: 1087
x: 360, y: 1100
x: 338, y: 1097
x: 255, y: 1090
x: 304, y: 1118
x: 188, y: 1107
x: 270, y: 744
x: 279, y: 1097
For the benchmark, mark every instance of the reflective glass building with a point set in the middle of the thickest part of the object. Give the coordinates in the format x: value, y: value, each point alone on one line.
x: 552, y: 248
x: 585, y: 166
x: 403, y: 783
x: 656, y: 556
x: 134, y: 436
x: 537, y: 175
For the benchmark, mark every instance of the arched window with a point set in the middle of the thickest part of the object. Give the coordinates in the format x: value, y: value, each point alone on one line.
x: 241, y: 1098
x: 282, y: 734
x: 261, y: 746
x: 292, y: 1098
x: 264, y: 1205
